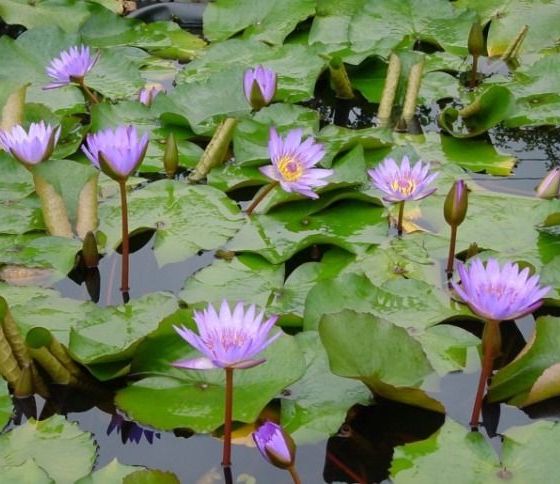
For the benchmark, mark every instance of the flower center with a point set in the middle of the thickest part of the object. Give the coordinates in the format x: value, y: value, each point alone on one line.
x: 406, y: 186
x: 227, y: 338
x: 290, y: 168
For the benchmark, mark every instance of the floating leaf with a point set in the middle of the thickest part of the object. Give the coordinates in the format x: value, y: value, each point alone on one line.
x: 5, y: 404
x: 113, y: 472
x: 29, y: 471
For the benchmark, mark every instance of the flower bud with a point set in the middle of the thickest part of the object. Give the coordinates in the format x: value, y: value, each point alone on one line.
x: 456, y: 203
x: 259, y: 85
x: 170, y: 156
x: 549, y: 187
x: 90, y: 255
x: 275, y: 445
x: 476, y: 40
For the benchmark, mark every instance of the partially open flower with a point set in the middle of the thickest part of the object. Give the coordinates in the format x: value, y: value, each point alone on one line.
x: 402, y: 183
x: 33, y: 146
x: 227, y: 339
x: 148, y: 93
x: 549, y: 187
x: 293, y: 163
x: 497, y: 293
x: 259, y: 85
x: 118, y: 153
x: 275, y: 445
x: 70, y: 66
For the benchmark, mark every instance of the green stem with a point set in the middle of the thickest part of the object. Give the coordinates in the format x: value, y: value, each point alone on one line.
x: 490, y: 349
x: 226, y: 457
x: 451, y: 256
x: 89, y: 94
x: 295, y: 476
x: 125, y: 248
x: 399, y: 222
x: 260, y: 196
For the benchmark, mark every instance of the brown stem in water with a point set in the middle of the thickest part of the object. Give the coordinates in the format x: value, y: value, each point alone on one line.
x: 451, y: 256
x: 124, y: 255
x: 474, y: 71
x: 490, y: 349
x: 89, y: 94
x: 399, y: 222
x: 294, y: 474
x: 226, y: 457
x: 260, y: 196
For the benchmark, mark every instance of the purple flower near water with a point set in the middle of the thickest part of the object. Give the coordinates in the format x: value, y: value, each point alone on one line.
x: 148, y: 93
x: 275, y: 445
x: 259, y: 85
x: 293, y: 162
x: 227, y: 339
x: 497, y: 293
x: 118, y: 153
x: 71, y: 65
x: 33, y: 146
x: 402, y: 183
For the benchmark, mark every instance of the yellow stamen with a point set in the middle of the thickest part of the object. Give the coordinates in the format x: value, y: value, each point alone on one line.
x: 404, y: 186
x: 290, y: 168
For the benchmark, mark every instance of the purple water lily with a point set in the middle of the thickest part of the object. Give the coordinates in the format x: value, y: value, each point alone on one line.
x: 402, y: 183
x: 227, y: 339
x: 293, y: 162
x: 32, y: 146
x: 275, y: 445
x: 117, y: 152
x: 70, y: 66
x: 259, y: 85
x: 497, y: 293
x: 148, y: 93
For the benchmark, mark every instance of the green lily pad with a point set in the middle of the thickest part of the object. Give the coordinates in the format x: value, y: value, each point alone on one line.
x: 29, y: 471
x: 21, y: 216
x: 113, y: 473
x: 16, y: 182
x: 186, y: 219
x: 195, y: 399
x: 315, y: 406
x: 248, y: 278
x: 268, y: 22
x: 532, y: 376
x: 378, y: 353
x: 57, y: 446
x: 527, y: 456
x: 5, y: 404
x: 151, y: 476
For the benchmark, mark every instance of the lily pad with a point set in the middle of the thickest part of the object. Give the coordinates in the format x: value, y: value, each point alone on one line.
x: 57, y: 446
x: 113, y: 473
x: 5, y: 404
x: 16, y: 182
x: 29, y: 471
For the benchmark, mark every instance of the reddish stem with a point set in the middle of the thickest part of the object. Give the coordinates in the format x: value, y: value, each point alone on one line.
x: 125, y: 248
x: 260, y: 196
x: 226, y: 457
x: 295, y: 476
x: 400, y: 220
x: 349, y: 472
x: 451, y: 256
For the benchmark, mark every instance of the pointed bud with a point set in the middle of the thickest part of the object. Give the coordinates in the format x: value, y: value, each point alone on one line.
x: 275, y: 445
x: 259, y: 85
x: 24, y: 385
x: 549, y: 187
x: 476, y: 40
x: 456, y: 204
x: 171, y: 156
x: 90, y: 255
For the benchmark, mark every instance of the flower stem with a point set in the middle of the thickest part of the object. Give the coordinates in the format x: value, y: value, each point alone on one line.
x: 451, y: 256
x: 124, y: 213
x: 89, y: 94
x: 226, y: 457
x: 490, y: 349
x: 295, y: 476
x: 474, y: 71
x: 399, y: 222
x: 260, y: 196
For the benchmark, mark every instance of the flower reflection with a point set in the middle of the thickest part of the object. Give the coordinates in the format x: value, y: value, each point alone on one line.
x: 130, y: 431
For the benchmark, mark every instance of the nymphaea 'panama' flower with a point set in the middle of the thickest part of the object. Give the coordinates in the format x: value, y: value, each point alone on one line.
x: 148, y: 93
x: 549, y: 187
x: 402, y: 183
x: 33, y: 146
x: 259, y: 85
x: 275, y: 445
x: 227, y: 339
x: 293, y: 162
x: 498, y: 293
x: 118, y: 153
x: 71, y: 65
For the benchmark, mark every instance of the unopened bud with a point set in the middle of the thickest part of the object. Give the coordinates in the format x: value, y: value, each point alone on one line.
x: 456, y: 204
x: 90, y: 255
x: 275, y: 445
x: 549, y: 187
x: 476, y: 40
x: 171, y: 156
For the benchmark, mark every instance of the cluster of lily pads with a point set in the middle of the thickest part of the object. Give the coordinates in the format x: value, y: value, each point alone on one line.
x: 231, y: 152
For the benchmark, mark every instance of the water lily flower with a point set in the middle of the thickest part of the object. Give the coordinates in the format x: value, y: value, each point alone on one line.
x: 148, y: 93
x: 70, y: 66
x: 117, y: 152
x: 498, y: 293
x: 227, y: 339
x: 455, y: 211
x: 32, y: 146
x: 259, y: 85
x: 275, y: 445
x: 549, y: 187
x: 402, y: 183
